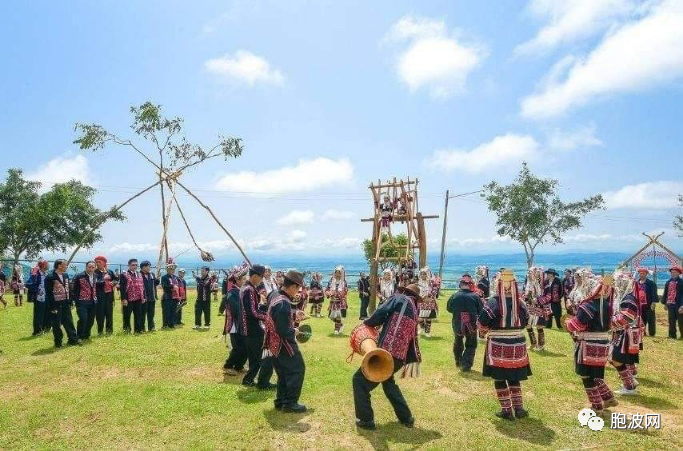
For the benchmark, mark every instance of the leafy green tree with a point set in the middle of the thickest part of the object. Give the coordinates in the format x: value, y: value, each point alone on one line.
x: 530, y: 211
x: 678, y: 220
x: 389, y: 249
x: 53, y: 221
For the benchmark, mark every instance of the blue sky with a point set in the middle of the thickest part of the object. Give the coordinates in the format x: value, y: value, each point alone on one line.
x: 328, y: 96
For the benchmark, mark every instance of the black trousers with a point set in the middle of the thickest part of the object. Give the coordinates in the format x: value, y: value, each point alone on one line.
x: 168, y: 312
x: 290, y: 372
x: 202, y: 307
x: 464, y: 348
x: 556, y: 309
x: 257, y: 365
x: 223, y: 306
x: 86, y: 319
x: 364, y: 301
x: 137, y: 310
x: 361, y: 396
x: 649, y: 319
x: 149, y: 308
x: 39, y: 314
x: 104, y: 313
x: 675, y: 318
x: 238, y: 352
x: 63, y: 318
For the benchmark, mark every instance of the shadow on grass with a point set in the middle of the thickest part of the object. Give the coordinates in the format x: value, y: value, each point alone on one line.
x: 29, y: 337
x: 232, y: 380
x: 472, y: 375
x: 645, y: 382
x: 546, y: 353
x: 396, y: 433
x: 45, y: 351
x: 530, y: 430
x: 253, y: 395
x: 333, y: 335
x: 431, y: 338
x: 651, y: 402
x: 287, y: 422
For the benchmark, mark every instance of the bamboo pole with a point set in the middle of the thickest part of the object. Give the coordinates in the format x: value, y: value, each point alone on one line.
x: 199, y: 201
x: 104, y: 219
x: 189, y: 231
x: 167, y: 214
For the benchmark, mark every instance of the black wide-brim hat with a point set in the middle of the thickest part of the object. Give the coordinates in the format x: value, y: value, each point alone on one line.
x: 411, y: 290
x: 295, y: 276
x: 259, y: 270
x: 551, y: 271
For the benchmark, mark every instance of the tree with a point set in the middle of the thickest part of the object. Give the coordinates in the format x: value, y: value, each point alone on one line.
x: 53, y: 221
x: 389, y: 249
x: 530, y: 211
x: 678, y: 220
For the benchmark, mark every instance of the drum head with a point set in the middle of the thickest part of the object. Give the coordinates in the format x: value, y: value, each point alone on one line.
x: 305, y: 333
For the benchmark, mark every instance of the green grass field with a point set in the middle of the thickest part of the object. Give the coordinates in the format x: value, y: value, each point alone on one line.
x: 166, y: 390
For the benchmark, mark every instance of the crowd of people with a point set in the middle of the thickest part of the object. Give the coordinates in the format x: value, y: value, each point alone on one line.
x: 606, y: 315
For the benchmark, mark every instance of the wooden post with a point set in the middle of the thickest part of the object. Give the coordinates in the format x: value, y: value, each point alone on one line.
x: 443, y: 235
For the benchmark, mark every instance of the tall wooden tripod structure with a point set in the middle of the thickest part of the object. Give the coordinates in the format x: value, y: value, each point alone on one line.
x: 404, y: 198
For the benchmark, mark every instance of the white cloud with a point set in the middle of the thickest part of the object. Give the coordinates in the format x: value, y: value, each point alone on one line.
x: 568, y: 21
x: 651, y: 195
x: 307, y: 175
x: 432, y: 58
x: 501, y: 151
x: 296, y: 217
x: 296, y: 236
x: 244, y: 67
x: 60, y: 170
x: 337, y: 215
x: 635, y: 56
x: 580, y: 137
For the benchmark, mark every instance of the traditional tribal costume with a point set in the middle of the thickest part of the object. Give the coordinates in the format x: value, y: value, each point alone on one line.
x: 398, y: 319
x: 269, y: 282
x: 253, y: 315
x: 481, y: 278
x: 132, y: 295
x: 300, y: 303
x: 3, y: 280
x: 105, y: 280
x: 537, y: 307
x: 386, y: 210
x: 364, y: 295
x: 316, y: 295
x: 673, y: 299
x: 203, y: 303
x: 150, y: 284
x: 552, y: 294
x: 647, y: 299
x: 580, y: 289
x: 387, y: 286
x: 626, y: 331
x: 567, y: 285
x: 83, y: 292
x: 466, y: 306
x: 280, y: 345
x: 336, y: 292
x: 171, y: 297
x: 506, y: 361
x: 233, y: 323
x: 214, y: 286
x: 182, y: 302
x: 36, y: 287
x: 17, y: 285
x: 589, y: 329
x: 429, y: 309
x: 59, y: 304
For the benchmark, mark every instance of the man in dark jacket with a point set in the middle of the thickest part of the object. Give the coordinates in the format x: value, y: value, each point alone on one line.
x: 673, y: 299
x: 402, y: 342
x: 171, y: 286
x: 253, y: 315
x: 203, y: 302
x: 364, y: 294
x: 36, y: 294
x: 280, y: 344
x: 646, y: 291
x: 132, y: 298
x: 150, y: 283
x: 105, y: 281
x: 83, y: 293
x: 553, y: 293
x: 59, y: 304
x: 233, y: 324
x: 465, y: 305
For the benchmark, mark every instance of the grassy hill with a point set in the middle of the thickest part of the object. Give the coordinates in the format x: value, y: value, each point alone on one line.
x: 166, y: 390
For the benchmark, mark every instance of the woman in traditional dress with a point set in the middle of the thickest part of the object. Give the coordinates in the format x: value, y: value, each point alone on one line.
x: 316, y: 295
x: 429, y: 309
x: 336, y: 292
x: 533, y: 293
x: 387, y: 286
x: 506, y: 361
x: 627, y: 328
x: 17, y: 284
